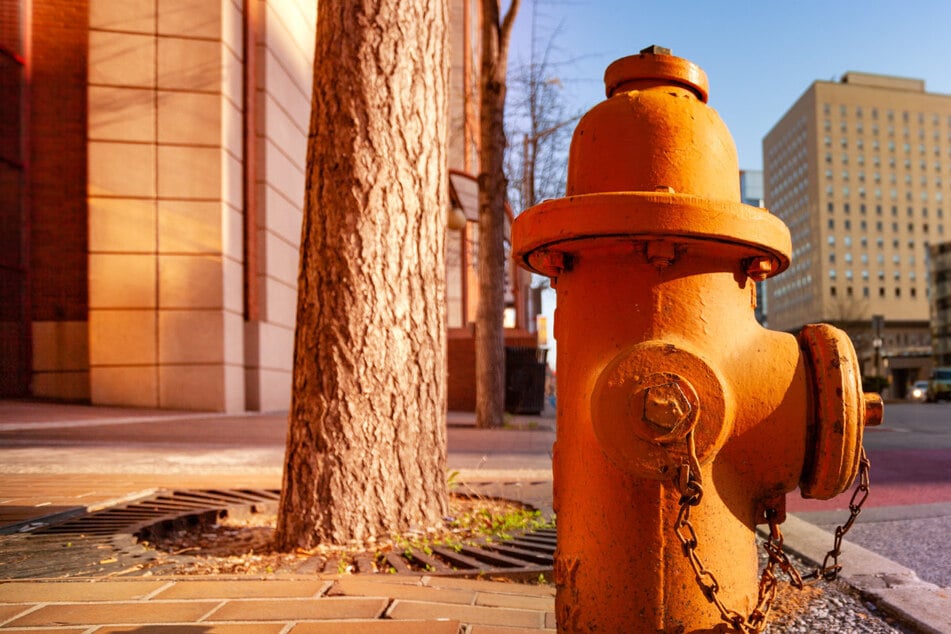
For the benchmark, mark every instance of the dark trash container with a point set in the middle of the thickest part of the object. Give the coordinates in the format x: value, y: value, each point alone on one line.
x: 524, y: 380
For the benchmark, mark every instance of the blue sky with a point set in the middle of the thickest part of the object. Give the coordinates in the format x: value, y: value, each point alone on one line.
x: 759, y: 56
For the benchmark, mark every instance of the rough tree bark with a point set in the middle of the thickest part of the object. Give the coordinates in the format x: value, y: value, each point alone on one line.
x: 490, y: 338
x: 366, y: 445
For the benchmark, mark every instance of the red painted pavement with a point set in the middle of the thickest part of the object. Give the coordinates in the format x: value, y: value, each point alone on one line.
x: 897, y: 477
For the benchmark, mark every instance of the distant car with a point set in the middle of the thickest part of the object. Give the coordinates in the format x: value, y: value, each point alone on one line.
x: 939, y: 386
x: 918, y: 391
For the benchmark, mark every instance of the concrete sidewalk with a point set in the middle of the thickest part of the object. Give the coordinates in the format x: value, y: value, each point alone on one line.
x: 57, y: 460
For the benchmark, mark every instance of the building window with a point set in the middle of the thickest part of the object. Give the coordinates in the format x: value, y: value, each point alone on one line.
x: 848, y: 291
x: 832, y: 291
x: 832, y: 258
x: 865, y: 291
x: 830, y: 207
x: 832, y: 274
x: 881, y: 291
x: 847, y: 241
x: 848, y: 224
x: 831, y: 223
x: 897, y: 292
x: 913, y: 292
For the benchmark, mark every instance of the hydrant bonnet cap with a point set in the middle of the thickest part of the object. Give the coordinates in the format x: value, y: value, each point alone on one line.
x: 653, y: 66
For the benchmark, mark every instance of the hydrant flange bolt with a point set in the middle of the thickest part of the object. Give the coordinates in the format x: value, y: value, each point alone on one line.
x: 660, y: 254
x: 550, y: 263
x: 759, y: 268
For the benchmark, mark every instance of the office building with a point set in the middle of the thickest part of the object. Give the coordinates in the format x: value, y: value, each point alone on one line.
x: 859, y: 170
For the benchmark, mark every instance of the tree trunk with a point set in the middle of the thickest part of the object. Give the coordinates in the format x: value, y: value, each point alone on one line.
x: 366, y: 449
x: 490, y: 337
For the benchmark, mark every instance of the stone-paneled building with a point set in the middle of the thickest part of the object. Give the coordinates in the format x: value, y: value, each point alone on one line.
x: 152, y: 171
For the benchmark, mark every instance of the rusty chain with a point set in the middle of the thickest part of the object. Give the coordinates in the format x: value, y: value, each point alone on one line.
x: 689, y: 484
x: 828, y: 572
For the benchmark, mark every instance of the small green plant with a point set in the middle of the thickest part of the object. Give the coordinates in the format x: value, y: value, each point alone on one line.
x: 500, y: 525
x: 452, y: 479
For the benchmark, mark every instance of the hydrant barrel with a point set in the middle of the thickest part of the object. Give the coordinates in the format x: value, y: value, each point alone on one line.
x: 666, y: 381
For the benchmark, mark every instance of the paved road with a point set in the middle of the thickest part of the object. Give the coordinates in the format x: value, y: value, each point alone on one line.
x: 907, y: 516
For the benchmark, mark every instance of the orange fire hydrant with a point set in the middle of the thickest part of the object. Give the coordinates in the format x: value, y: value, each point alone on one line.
x: 672, y: 400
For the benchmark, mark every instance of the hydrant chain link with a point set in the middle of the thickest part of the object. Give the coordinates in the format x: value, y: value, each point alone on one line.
x: 687, y: 482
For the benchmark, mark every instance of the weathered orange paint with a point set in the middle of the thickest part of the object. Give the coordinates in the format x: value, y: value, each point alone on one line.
x: 655, y: 261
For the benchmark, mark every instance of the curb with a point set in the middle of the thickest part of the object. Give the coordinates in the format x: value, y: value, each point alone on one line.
x: 894, y: 588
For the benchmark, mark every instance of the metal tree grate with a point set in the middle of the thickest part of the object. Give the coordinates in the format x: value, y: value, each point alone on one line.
x: 525, y: 556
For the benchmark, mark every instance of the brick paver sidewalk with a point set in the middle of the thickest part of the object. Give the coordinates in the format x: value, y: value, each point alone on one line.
x: 310, y: 605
